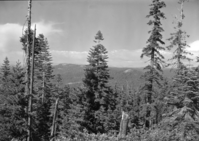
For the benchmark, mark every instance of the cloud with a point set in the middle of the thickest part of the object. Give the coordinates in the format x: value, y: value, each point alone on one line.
x: 131, y: 58
x: 10, y: 34
x: 9, y: 37
x: 10, y: 46
x: 46, y: 28
x: 13, y: 57
x: 69, y: 57
x: 126, y: 58
x: 194, y: 47
x: 117, y: 58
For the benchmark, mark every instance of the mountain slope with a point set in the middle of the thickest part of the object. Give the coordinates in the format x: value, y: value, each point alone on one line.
x: 73, y: 74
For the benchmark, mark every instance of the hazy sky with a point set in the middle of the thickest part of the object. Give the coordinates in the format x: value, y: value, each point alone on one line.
x: 70, y: 27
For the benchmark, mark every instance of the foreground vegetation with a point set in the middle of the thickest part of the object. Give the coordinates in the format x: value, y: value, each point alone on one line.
x: 159, y: 110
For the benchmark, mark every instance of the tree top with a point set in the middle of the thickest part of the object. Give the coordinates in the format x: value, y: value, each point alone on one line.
x: 99, y: 36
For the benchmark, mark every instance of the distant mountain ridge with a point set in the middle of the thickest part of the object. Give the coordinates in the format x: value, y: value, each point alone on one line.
x: 73, y: 74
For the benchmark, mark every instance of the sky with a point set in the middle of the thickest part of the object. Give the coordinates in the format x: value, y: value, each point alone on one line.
x: 71, y: 25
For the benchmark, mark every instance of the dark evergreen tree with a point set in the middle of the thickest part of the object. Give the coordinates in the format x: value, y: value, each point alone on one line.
x: 5, y: 77
x: 113, y: 115
x: 4, y: 97
x: 159, y: 106
x: 180, y: 54
x: 43, y: 87
x: 153, y: 74
x: 96, y: 84
x: 183, y: 117
x: 13, y: 105
x: 74, y: 111
x: 19, y: 101
x: 64, y: 114
x: 60, y: 106
x: 5, y: 70
x: 179, y: 43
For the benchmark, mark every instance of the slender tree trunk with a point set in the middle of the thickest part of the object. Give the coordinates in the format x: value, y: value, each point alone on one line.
x: 27, y: 89
x: 180, y: 38
x: 31, y: 87
x: 179, y: 64
x: 43, y: 85
x: 54, y: 120
x: 149, y: 97
x: 181, y: 11
x: 151, y: 79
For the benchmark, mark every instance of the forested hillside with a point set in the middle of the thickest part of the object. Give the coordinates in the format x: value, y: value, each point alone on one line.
x: 72, y: 74
x: 95, y: 102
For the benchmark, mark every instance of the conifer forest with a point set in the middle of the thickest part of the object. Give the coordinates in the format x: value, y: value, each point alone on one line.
x: 35, y: 104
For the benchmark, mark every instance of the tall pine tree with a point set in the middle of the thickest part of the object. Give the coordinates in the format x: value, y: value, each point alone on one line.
x: 178, y: 43
x: 183, y: 120
x: 43, y: 88
x: 96, y: 84
x: 153, y: 74
x: 13, y: 104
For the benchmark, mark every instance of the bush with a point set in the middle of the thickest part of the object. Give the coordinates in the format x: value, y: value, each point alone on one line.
x: 155, y: 134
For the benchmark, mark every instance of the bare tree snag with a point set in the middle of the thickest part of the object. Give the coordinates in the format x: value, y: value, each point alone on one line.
x: 31, y: 88
x: 27, y: 78
x: 124, y: 124
x: 43, y: 85
x: 54, y: 120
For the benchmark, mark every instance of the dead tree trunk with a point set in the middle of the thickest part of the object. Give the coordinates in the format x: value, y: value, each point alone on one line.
x: 124, y: 124
x: 54, y: 120
x: 27, y: 89
x: 43, y: 85
x: 31, y: 88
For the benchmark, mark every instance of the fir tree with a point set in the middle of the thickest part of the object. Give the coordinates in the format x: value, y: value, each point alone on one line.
x: 183, y: 96
x: 153, y: 74
x: 179, y: 43
x: 64, y: 114
x: 4, y: 100
x: 159, y: 106
x: 60, y: 108
x: 5, y: 69
x: 19, y: 101
x: 74, y: 112
x: 43, y: 87
x: 12, y: 112
x: 184, y: 117
x: 180, y: 54
x: 113, y: 114
x: 5, y: 76
x: 95, y: 82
